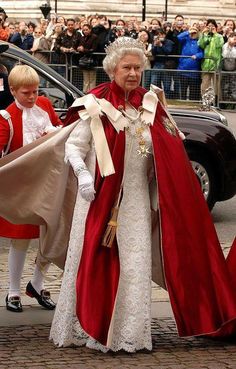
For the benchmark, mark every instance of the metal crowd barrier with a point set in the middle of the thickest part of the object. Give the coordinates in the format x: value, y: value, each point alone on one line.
x: 182, y: 85
x: 227, y: 89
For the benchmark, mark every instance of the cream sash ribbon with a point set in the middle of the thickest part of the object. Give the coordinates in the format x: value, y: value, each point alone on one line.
x: 94, y: 108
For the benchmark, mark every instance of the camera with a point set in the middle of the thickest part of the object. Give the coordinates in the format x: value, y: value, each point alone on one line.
x: 210, y: 33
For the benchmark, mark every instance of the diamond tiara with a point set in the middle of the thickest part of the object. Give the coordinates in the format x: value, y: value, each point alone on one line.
x: 124, y: 43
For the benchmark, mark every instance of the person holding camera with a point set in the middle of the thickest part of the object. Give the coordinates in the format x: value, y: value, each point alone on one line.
x: 162, y: 48
x: 51, y: 25
x: 228, y: 29
x: 190, y: 62
x: 172, y: 34
x: 132, y: 27
x: 117, y: 30
x: 101, y: 30
x: 23, y: 39
x: 211, y: 42
x: 155, y: 25
x: 228, y: 80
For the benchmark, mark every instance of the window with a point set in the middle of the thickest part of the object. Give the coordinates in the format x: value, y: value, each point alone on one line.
x: 60, y: 98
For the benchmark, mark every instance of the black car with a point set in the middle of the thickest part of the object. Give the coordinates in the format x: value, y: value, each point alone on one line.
x: 210, y: 144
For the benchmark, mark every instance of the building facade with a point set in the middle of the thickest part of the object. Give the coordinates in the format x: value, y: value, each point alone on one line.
x: 191, y: 9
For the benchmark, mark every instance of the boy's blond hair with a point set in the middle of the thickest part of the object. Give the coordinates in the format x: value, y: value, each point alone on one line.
x: 22, y: 75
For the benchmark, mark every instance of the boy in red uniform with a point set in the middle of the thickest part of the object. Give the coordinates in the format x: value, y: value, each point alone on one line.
x: 25, y: 120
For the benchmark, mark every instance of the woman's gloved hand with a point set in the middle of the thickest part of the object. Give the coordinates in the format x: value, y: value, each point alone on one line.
x: 86, y: 185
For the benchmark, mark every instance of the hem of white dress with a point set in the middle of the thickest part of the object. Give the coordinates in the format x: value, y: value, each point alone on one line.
x: 94, y: 345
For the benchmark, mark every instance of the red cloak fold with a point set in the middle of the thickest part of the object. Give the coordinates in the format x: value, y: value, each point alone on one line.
x: 231, y: 261
x: 98, y: 273
x: 201, y: 291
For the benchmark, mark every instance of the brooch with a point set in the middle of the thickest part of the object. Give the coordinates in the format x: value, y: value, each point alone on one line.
x: 143, y: 150
x: 169, y: 126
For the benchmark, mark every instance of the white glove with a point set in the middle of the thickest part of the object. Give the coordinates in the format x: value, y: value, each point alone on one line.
x: 86, y: 185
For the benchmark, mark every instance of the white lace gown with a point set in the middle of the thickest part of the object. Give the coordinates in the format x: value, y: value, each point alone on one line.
x: 132, y: 318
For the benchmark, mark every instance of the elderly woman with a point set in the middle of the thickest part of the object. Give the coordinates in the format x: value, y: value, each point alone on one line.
x: 123, y: 144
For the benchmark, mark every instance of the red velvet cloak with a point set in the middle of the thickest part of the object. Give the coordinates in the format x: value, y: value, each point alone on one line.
x: 201, y: 292
x: 231, y: 261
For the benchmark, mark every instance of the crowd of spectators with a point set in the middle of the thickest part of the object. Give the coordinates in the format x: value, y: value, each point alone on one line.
x: 192, y: 53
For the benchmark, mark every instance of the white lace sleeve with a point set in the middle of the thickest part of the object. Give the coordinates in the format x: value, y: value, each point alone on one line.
x: 78, y: 145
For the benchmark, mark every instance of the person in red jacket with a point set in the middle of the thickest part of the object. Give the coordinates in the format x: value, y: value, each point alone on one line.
x: 3, y: 32
x: 29, y: 117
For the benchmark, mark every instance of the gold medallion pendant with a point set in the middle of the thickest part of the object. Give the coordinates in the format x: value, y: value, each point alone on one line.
x: 143, y: 150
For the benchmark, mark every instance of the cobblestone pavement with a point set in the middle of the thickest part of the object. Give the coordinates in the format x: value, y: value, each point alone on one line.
x: 27, y: 346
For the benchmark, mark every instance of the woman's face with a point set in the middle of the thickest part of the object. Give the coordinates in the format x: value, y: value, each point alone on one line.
x: 61, y: 20
x: 155, y: 25
x: 58, y: 28
x: 94, y: 22
x: 30, y: 29
x: 211, y: 27
x: 128, y: 72
x: 11, y: 28
x: 120, y: 23
x: 86, y: 30
x: 143, y: 36
x: 230, y: 24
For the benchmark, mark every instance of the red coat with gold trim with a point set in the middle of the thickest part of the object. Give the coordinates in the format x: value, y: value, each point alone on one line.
x: 8, y: 229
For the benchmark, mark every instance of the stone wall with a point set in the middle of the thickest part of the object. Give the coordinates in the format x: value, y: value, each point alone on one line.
x: 191, y: 9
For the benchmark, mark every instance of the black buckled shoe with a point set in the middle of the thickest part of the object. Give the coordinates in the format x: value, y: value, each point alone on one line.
x: 44, y: 298
x: 13, y: 303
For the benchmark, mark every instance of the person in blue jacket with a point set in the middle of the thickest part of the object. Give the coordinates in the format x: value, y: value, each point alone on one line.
x: 191, y: 61
x: 161, y: 50
x: 23, y: 39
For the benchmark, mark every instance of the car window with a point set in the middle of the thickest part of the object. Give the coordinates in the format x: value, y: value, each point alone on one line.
x: 60, y: 98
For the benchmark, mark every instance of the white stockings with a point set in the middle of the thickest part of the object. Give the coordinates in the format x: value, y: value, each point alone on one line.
x: 16, y: 261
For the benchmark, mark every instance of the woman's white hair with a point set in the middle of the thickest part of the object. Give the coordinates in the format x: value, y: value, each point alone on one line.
x: 118, y: 49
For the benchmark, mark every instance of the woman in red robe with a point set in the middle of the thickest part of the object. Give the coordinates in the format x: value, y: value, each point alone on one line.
x: 139, y: 215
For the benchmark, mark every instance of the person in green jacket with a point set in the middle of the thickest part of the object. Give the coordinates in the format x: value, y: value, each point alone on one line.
x: 211, y: 42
